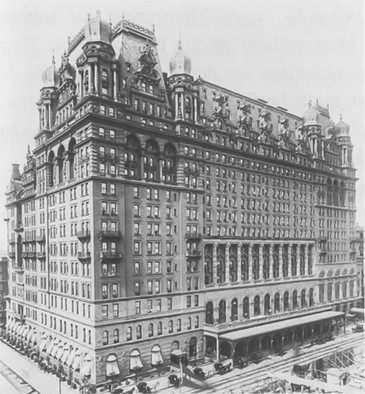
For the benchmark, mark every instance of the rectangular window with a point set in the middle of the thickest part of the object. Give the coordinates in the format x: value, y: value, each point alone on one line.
x: 169, y: 304
x: 115, y: 310
x: 138, y: 307
x: 104, y: 311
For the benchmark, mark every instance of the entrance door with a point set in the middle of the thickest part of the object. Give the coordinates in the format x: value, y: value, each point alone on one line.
x: 192, y: 347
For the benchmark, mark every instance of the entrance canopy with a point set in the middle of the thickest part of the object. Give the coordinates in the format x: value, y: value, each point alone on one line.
x: 280, y: 325
x: 358, y: 311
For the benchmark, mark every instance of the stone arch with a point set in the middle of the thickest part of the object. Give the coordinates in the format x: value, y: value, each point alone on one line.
x: 132, y: 157
x: 286, y: 301
x: 246, y: 308
x: 277, y: 303
x: 222, y: 311
x: 169, y: 163
x: 71, y: 158
x: 256, y: 305
x: 209, y: 314
x: 61, y: 163
x: 234, y: 309
x: 267, y: 304
x: 51, y: 160
x: 303, y: 298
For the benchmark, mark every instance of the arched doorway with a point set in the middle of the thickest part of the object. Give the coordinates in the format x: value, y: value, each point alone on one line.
x: 209, y: 319
x: 192, y: 347
x: 225, y: 349
x: 234, y: 309
x: 222, y: 311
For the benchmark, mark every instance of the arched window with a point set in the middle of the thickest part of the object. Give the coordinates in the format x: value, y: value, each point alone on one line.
x: 60, y: 162
x: 277, y: 303
x: 209, y: 318
x: 71, y: 158
x: 129, y: 333
x: 246, y: 308
x: 329, y: 291
x: 302, y: 261
x: 256, y: 306
x: 104, y: 82
x: 234, y: 309
x: 276, y: 262
x: 351, y: 288
x: 138, y: 332
x: 132, y: 157
x: 337, y: 290
x: 311, y: 297
x: 266, y: 265
x: 222, y: 311
x: 135, y: 362
x: 151, y: 161
x: 150, y: 330
x: 255, y: 265
x: 171, y: 326
x: 156, y: 356
x: 111, y: 366
x: 321, y: 292
x: 303, y: 301
x: 105, y: 337
x: 336, y: 193
x: 244, y: 263
x: 159, y: 328
x: 286, y: 301
x: 116, y: 336
x: 329, y: 192
x: 168, y: 164
x: 285, y: 262
x: 294, y: 261
x: 295, y: 299
x: 267, y: 307
x: 51, y: 169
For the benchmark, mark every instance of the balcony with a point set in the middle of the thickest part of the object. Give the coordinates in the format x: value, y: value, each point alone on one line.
x: 41, y: 238
x: 84, y: 255
x: 193, y: 254
x: 83, y: 234
x: 110, y: 234
x: 41, y: 255
x: 110, y: 255
x: 19, y: 227
x: 193, y: 235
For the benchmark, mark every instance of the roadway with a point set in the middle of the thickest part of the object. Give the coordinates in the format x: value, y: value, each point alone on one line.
x: 25, y: 376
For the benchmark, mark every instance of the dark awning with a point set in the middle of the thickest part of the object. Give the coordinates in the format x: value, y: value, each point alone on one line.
x: 279, y: 325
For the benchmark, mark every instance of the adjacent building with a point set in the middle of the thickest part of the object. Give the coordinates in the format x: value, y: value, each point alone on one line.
x: 161, y: 211
x: 3, y: 290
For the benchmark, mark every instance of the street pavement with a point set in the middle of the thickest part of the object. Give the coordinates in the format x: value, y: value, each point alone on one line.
x: 30, y: 372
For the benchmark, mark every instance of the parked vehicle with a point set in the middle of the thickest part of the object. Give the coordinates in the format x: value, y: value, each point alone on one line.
x: 222, y: 368
x: 198, y: 372
x: 240, y: 362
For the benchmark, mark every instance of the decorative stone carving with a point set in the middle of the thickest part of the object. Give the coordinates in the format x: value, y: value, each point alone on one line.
x: 302, y: 141
x: 265, y: 126
x: 147, y: 61
x: 284, y: 133
x: 244, y: 119
x: 221, y: 112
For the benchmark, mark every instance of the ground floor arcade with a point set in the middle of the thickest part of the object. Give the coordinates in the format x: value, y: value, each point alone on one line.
x: 259, y: 341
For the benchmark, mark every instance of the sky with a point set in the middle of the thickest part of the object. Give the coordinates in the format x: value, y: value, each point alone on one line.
x: 284, y: 51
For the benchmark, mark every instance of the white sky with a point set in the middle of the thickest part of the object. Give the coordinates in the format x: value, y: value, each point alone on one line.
x: 284, y: 51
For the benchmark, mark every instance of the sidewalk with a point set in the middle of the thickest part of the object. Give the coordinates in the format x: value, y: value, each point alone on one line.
x: 43, y: 382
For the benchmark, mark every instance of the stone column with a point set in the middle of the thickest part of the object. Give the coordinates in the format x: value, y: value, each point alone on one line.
x: 96, y: 78
x: 250, y: 276
x: 182, y: 95
x: 289, y: 260
x: 195, y: 109
x: 306, y: 259
x: 115, y: 84
x: 215, y: 274
x: 91, y: 78
x: 271, y: 262
x: 176, y: 105
x: 81, y: 92
x: 227, y: 263
x: 239, y: 267
x: 281, y: 260
x: 261, y: 261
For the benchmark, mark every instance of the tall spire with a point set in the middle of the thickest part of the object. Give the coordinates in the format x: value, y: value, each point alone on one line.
x: 180, y: 47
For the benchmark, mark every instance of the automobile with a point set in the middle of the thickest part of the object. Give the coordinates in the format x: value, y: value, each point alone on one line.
x: 240, y: 362
x: 358, y: 328
x: 198, y: 372
x: 222, y: 368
